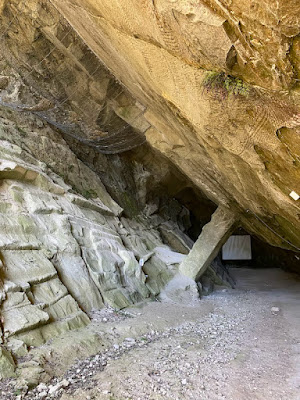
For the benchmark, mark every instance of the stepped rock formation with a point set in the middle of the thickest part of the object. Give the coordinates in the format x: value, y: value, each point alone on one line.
x: 117, y: 119
x: 64, y: 256
x: 239, y: 147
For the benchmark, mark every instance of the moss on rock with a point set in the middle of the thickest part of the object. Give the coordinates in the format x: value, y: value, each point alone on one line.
x: 225, y: 85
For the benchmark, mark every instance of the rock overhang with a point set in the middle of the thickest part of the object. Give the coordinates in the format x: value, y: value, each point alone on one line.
x: 240, y: 148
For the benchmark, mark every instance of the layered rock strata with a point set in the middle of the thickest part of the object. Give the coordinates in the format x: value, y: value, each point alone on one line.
x: 237, y: 139
x: 213, y: 87
x: 63, y: 256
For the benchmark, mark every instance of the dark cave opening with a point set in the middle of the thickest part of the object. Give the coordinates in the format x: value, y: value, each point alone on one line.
x: 263, y: 255
x: 200, y: 208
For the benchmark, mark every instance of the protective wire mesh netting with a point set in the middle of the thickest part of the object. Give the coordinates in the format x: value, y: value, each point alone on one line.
x: 118, y: 139
x: 124, y: 139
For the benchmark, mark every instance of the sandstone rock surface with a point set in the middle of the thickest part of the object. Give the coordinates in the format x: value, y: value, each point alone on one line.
x: 241, y: 150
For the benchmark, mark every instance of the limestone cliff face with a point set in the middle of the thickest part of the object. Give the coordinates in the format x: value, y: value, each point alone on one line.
x: 241, y: 148
x: 66, y: 247
x: 213, y: 85
x: 108, y: 109
x: 63, y: 256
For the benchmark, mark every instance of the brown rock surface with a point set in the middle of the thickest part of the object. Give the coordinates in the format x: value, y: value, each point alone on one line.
x: 240, y: 150
x: 216, y: 83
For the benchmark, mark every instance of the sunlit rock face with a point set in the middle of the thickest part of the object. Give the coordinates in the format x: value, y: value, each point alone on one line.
x: 113, y: 115
x: 237, y: 139
x: 216, y: 83
x: 67, y: 248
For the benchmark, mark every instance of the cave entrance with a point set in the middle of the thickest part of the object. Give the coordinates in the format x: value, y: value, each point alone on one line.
x: 245, y: 250
x: 247, y: 262
x: 213, y: 261
x: 173, y: 193
x: 256, y: 265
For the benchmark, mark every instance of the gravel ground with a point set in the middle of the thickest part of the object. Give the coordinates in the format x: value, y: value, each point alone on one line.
x: 240, y: 344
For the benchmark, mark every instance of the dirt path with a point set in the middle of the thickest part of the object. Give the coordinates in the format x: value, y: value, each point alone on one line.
x: 241, y: 344
x: 241, y: 350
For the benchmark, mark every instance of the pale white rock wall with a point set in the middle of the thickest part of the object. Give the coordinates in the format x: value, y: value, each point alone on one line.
x: 63, y: 255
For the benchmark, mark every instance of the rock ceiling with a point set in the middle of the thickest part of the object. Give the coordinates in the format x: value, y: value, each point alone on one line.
x: 216, y: 81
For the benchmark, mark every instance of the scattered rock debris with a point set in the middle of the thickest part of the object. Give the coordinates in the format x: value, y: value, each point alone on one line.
x: 227, y: 353
x: 109, y: 314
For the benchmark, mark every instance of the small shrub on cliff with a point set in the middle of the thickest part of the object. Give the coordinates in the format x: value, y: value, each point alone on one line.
x: 223, y: 85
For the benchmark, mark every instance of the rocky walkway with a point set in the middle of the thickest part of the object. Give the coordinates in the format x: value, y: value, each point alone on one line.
x: 240, y: 344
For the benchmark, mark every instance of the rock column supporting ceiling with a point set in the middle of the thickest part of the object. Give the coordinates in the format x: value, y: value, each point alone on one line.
x: 242, y: 151
x: 219, y: 81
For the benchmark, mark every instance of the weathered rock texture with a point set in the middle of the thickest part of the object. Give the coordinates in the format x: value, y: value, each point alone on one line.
x: 241, y: 150
x: 63, y: 256
x: 237, y: 140
x: 86, y: 205
x: 7, y: 365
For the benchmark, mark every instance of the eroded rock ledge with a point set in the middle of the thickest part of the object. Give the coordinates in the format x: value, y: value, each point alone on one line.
x: 242, y: 151
x: 214, y: 89
x: 64, y: 256
x: 240, y: 147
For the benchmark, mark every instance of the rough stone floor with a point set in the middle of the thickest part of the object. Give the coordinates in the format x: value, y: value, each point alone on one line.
x: 241, y: 344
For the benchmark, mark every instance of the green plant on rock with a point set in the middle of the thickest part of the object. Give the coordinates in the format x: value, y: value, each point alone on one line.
x: 224, y: 85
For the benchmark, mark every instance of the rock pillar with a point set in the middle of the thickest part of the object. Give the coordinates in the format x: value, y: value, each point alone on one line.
x: 205, y: 249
